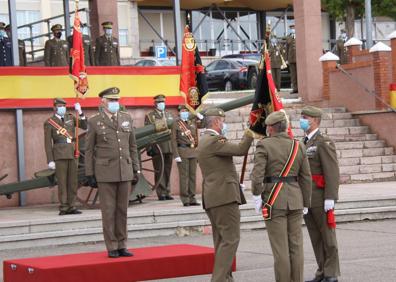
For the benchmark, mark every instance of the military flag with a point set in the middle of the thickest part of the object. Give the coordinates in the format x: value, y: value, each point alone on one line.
x: 193, y: 84
x: 77, y: 65
x: 266, y: 99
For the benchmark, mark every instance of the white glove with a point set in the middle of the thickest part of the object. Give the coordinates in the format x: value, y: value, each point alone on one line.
x: 243, y: 187
x: 305, y: 211
x: 258, y: 203
x: 51, y: 165
x: 328, y: 205
x: 200, y: 116
x: 178, y: 160
x: 77, y: 107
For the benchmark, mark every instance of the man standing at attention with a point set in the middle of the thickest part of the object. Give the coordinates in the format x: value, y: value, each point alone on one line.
x: 221, y: 194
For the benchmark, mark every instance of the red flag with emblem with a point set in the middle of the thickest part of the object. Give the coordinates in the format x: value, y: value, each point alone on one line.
x: 77, y: 65
x: 193, y: 84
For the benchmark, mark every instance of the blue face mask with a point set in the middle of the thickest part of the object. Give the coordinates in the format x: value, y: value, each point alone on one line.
x: 108, y: 31
x: 224, y: 129
x: 2, y: 33
x: 184, y: 115
x: 61, y: 111
x: 113, y: 107
x: 304, y: 124
x: 161, y: 106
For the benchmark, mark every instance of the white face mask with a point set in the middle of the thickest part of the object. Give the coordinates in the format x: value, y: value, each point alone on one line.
x: 108, y: 31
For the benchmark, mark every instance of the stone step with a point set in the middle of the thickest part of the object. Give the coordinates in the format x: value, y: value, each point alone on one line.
x: 360, y: 145
x: 330, y: 123
x: 384, y: 160
x: 368, y: 168
x: 366, y: 152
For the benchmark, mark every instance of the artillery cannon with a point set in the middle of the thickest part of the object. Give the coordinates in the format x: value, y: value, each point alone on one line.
x: 149, y: 135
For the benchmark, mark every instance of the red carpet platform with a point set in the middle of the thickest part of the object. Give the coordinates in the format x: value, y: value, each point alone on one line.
x: 146, y: 264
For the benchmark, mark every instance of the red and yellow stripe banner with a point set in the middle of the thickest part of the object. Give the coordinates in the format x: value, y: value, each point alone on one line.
x: 35, y: 87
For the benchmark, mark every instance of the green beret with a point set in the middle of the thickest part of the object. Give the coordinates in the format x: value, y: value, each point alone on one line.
x: 107, y: 24
x: 275, y: 117
x: 311, y: 111
x: 159, y: 98
x: 59, y: 101
x: 2, y: 25
x: 56, y: 27
x: 214, y: 112
x: 110, y: 93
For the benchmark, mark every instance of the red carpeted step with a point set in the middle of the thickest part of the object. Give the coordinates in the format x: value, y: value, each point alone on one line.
x: 146, y: 264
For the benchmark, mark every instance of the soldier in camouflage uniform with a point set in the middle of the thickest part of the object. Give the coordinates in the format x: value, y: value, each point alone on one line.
x: 59, y: 140
x: 107, y: 48
x: 56, y: 52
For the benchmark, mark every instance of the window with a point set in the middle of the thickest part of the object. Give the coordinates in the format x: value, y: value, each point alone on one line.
x: 222, y: 65
x: 123, y: 37
x: 26, y: 17
x: 211, y: 66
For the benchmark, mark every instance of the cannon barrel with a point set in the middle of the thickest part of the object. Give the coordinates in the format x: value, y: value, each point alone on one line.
x: 237, y: 103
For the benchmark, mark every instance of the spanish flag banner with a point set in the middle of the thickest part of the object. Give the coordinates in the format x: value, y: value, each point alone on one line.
x: 193, y: 84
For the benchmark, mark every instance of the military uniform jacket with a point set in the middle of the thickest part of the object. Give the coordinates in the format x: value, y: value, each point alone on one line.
x: 291, y: 49
x: 275, y: 53
x: 22, y: 53
x: 183, y: 147
x: 56, y: 53
x: 106, y: 51
x: 5, y: 52
x: 57, y: 147
x: 270, y: 158
x: 88, y: 52
x: 220, y: 185
x: 111, y: 152
x: 322, y: 158
x: 151, y: 117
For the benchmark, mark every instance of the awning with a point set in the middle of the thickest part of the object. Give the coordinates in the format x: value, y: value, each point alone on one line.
x: 258, y: 5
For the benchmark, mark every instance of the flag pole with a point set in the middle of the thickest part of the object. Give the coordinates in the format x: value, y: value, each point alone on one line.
x: 76, y: 146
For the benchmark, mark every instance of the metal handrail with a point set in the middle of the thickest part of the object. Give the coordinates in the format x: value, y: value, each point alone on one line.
x: 365, y: 88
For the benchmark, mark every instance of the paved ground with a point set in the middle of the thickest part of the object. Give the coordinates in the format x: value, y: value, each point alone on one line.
x: 367, y: 252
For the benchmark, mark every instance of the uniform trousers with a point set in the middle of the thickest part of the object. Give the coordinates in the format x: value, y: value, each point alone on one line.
x: 163, y: 188
x: 225, y: 221
x: 285, y: 235
x: 276, y: 74
x: 67, y: 179
x: 114, y: 199
x: 187, y: 174
x: 293, y: 76
x: 324, y: 243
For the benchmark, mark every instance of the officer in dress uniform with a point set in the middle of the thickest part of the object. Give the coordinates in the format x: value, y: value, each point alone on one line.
x: 275, y: 53
x: 111, y: 160
x: 342, y: 51
x: 288, y: 195
x: 160, y: 116
x: 21, y: 47
x: 184, y: 141
x: 56, y: 52
x: 87, y: 44
x: 106, y: 47
x: 291, y: 57
x: 59, y: 140
x: 323, y: 162
x: 5, y: 47
x: 221, y: 193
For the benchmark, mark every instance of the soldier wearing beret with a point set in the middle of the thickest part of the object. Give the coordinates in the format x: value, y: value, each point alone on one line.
x: 106, y: 47
x: 111, y: 160
x: 21, y: 47
x: 281, y: 185
x: 323, y: 162
x: 184, y: 142
x: 221, y: 193
x: 5, y: 47
x: 292, y: 57
x: 56, y: 52
x: 87, y: 44
x: 59, y: 140
x: 159, y: 116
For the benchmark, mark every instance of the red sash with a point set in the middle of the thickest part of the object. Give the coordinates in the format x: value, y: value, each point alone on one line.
x: 61, y: 130
x: 267, y: 208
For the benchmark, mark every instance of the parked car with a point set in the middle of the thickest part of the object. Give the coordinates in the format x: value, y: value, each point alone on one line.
x: 151, y: 62
x: 285, y: 73
x: 231, y: 74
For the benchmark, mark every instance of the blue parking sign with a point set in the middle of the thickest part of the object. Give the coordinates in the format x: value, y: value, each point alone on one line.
x: 161, y: 52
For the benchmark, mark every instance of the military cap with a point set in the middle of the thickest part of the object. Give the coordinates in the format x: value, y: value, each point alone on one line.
x: 110, y: 93
x: 311, y: 111
x: 159, y: 98
x: 275, y: 117
x: 56, y: 27
x: 2, y: 25
x: 107, y: 24
x: 59, y: 101
x: 214, y: 112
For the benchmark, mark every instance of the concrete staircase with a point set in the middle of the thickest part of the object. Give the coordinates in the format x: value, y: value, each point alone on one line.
x: 362, y: 156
